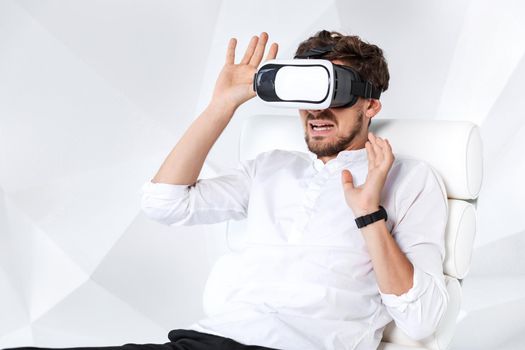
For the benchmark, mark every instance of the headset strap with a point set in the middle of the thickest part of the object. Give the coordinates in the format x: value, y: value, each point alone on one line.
x: 316, y: 52
x: 365, y: 89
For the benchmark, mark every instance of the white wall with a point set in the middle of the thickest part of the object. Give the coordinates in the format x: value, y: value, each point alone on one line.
x: 94, y: 94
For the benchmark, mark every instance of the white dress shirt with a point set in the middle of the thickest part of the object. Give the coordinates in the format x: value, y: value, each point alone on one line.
x: 305, y: 279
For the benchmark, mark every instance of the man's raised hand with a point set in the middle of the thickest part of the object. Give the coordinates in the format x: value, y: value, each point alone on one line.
x: 235, y: 81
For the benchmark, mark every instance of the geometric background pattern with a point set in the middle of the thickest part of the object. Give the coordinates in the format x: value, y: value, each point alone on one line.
x: 94, y: 95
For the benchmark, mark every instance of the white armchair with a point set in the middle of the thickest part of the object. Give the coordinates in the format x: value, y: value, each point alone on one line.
x: 452, y: 148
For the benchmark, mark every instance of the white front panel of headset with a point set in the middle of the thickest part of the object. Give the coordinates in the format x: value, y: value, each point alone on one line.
x: 302, y: 83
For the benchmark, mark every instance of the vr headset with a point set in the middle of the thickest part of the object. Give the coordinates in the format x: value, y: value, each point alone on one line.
x: 310, y: 83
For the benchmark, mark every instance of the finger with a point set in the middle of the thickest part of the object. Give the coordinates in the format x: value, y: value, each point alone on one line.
x: 387, y: 145
x: 371, y: 153
x: 378, y: 152
x: 272, y: 53
x: 381, y: 142
x: 389, y: 153
x: 230, y: 53
x: 347, y: 178
x: 374, y: 139
x: 249, y: 51
x: 371, y: 137
x: 259, y: 50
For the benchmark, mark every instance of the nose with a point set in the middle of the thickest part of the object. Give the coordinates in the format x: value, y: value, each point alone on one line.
x: 314, y: 112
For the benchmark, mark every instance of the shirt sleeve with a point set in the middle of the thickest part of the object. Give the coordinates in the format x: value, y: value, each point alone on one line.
x: 420, y: 234
x: 208, y: 201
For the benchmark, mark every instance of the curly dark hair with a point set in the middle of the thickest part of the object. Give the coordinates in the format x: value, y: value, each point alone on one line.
x: 367, y: 59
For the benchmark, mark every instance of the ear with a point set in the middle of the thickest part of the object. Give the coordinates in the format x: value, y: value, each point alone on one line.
x: 373, y: 107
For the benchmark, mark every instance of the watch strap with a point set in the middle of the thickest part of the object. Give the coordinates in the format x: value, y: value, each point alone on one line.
x: 364, y: 220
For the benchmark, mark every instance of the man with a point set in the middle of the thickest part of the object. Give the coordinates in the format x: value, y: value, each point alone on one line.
x: 309, y: 278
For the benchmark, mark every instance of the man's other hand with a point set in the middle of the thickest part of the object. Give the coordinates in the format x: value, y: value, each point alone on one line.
x: 365, y: 199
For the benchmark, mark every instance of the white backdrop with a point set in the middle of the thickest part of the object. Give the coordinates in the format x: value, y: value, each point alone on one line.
x: 94, y: 95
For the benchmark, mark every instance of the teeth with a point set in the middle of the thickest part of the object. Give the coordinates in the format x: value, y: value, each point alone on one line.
x: 324, y: 127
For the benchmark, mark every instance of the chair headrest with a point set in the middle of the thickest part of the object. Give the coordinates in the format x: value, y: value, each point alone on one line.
x: 452, y: 148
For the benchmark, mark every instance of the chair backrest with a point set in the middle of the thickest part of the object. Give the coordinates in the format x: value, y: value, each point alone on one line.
x: 452, y: 148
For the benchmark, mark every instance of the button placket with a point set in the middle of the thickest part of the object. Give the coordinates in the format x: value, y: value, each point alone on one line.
x: 310, y: 196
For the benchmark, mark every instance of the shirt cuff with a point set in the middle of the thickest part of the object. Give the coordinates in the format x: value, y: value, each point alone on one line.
x: 163, y: 190
x: 421, y: 282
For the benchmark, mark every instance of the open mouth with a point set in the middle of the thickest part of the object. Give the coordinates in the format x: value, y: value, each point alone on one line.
x: 320, y: 127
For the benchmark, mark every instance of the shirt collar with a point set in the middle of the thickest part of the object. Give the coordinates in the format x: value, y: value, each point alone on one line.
x: 343, y: 157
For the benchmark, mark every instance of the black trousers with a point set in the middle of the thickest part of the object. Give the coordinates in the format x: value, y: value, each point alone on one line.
x: 180, y: 339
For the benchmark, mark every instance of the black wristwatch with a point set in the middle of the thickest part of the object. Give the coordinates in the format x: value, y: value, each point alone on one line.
x: 364, y: 220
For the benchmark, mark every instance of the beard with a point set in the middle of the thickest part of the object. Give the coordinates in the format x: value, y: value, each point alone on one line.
x: 324, y: 149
